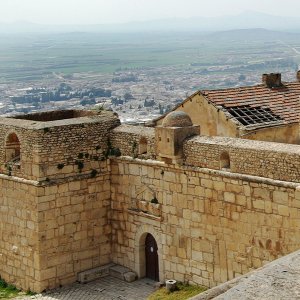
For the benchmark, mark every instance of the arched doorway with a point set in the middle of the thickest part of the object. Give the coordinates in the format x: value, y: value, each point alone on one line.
x: 151, y: 255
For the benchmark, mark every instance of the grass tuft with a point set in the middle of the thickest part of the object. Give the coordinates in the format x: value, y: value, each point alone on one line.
x: 183, y: 292
x: 7, y: 291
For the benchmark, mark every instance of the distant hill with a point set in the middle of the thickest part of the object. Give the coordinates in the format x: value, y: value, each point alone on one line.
x: 253, y: 34
x: 246, y: 20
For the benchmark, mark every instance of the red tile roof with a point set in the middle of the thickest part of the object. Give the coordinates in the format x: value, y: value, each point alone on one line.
x: 283, y: 102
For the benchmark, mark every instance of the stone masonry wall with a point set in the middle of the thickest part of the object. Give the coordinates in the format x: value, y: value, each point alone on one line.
x: 49, y: 232
x: 74, y: 228
x: 71, y: 148
x: 57, y: 225
x: 272, y: 160
x: 29, y: 150
x: 127, y: 138
x: 210, y: 225
x: 19, y: 248
x: 58, y: 149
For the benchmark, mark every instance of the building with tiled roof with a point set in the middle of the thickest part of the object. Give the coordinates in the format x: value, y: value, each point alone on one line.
x: 268, y: 111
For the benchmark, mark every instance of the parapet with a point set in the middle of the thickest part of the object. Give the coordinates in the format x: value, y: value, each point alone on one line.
x: 134, y: 141
x: 56, y: 144
x: 57, y: 115
x: 277, y: 161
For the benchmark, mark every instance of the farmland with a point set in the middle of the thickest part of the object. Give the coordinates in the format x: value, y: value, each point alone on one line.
x: 166, y: 66
x: 28, y: 57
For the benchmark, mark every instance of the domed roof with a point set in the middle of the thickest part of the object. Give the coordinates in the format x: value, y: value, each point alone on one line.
x: 177, y: 119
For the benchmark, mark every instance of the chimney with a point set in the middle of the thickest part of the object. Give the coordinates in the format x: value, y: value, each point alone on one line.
x: 298, y: 76
x: 272, y: 80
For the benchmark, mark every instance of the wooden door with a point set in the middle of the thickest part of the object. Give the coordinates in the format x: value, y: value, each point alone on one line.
x: 151, y: 258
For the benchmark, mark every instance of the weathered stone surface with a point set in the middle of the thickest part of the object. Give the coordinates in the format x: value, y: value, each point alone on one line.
x: 119, y: 271
x: 246, y: 157
x: 210, y: 223
x: 129, y: 276
x: 277, y: 280
x: 93, y: 274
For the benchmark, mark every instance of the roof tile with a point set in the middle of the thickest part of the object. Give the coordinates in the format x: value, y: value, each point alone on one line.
x: 283, y: 101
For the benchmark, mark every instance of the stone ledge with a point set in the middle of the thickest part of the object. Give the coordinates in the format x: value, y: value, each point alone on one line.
x: 143, y: 214
x: 93, y: 274
x: 227, y: 174
x: 111, y: 269
x: 245, y: 177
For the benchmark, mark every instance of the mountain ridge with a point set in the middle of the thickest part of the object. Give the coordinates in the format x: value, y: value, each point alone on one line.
x: 245, y: 20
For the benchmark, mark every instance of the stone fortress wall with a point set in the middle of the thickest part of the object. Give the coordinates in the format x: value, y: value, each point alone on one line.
x: 55, y: 199
x: 56, y: 148
x: 226, y: 207
x: 19, y: 251
x: 213, y: 223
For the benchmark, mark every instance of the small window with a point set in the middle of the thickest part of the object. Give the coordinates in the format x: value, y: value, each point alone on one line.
x: 224, y: 161
x: 143, y: 146
x: 12, y: 148
x: 168, y: 140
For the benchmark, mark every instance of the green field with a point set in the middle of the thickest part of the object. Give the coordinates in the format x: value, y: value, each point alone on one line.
x: 28, y: 57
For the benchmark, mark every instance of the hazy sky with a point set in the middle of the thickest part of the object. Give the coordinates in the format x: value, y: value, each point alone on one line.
x: 118, y: 11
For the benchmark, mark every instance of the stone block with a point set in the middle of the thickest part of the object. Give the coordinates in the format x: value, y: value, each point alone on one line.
x: 259, y: 204
x: 118, y: 271
x: 241, y: 200
x: 229, y: 197
x: 48, y: 273
x: 219, y: 186
x: 283, y: 210
x: 74, y: 186
x: 93, y: 274
x: 134, y: 169
x: 280, y: 197
x: 297, y: 193
x: 181, y: 252
x: 207, y: 183
x: 130, y: 276
x: 187, y: 214
x: 268, y: 207
x: 234, y: 188
x: 36, y: 171
x: 196, y: 255
x: 261, y: 193
x: 247, y: 190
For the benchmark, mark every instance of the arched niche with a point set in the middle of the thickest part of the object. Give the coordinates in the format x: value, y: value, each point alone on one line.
x: 224, y: 160
x: 12, y: 147
x: 143, y: 145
